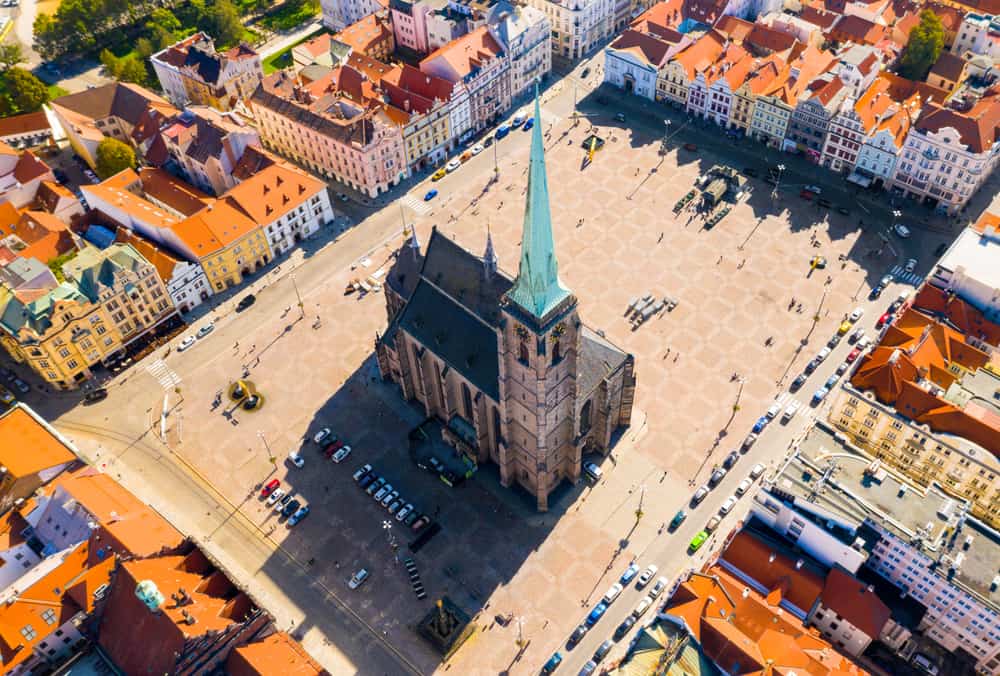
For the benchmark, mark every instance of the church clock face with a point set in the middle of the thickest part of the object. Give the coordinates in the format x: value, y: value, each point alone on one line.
x: 521, y: 332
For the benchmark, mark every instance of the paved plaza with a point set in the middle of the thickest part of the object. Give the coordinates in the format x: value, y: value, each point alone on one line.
x: 616, y: 239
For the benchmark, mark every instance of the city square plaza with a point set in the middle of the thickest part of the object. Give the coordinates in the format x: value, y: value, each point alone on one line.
x: 616, y: 239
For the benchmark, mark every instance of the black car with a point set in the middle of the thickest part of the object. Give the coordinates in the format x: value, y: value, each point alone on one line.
x: 291, y: 508
x: 367, y: 480
x: 603, y: 650
x: 586, y: 72
x: 834, y: 341
x: 246, y: 302
x: 799, y: 381
x: 577, y: 635
x: 731, y: 460
x: 623, y: 628
x: 811, y: 366
x: 95, y: 395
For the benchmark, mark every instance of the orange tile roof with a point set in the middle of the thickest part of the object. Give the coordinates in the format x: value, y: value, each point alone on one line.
x: 140, y: 531
x: 175, y: 193
x: 271, y: 193
x: 666, y: 14
x: 209, y: 598
x: 949, y: 66
x: 764, y: 73
x: 700, y: 56
x: 278, y: 653
x: 743, y: 633
x: 20, y: 428
x: 66, y: 589
x: 214, y: 228
x: 978, y: 128
x: 851, y: 598
x: 467, y: 53
x: 365, y: 35
x: 775, y: 571
x: 23, y: 124
x: 161, y: 260
x: 852, y: 28
x: 734, y: 28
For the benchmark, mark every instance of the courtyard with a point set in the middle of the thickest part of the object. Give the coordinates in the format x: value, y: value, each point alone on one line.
x: 617, y: 239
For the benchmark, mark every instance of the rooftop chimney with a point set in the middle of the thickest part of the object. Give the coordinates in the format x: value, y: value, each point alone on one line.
x: 799, y: 564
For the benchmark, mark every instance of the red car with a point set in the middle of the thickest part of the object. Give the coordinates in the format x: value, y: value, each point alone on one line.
x: 333, y: 448
x: 807, y: 195
x: 269, y: 488
x: 883, y: 320
x: 855, y: 353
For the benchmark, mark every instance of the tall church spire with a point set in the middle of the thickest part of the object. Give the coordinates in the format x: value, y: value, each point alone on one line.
x: 489, y: 256
x: 537, y: 288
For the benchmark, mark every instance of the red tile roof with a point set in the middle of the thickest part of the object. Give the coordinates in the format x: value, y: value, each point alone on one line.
x: 277, y: 654
x: 23, y: 124
x: 700, y: 56
x: 853, y: 600
x: 774, y: 571
x: 979, y: 127
x: 467, y: 53
x: 948, y: 66
x: 649, y: 49
x: 854, y: 29
x: 21, y: 429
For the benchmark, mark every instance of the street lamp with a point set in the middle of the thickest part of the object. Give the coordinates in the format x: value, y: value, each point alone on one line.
x: 302, y: 310
x: 642, y: 494
x: 777, y: 184
x: 520, y: 632
x: 666, y: 134
x: 270, y: 456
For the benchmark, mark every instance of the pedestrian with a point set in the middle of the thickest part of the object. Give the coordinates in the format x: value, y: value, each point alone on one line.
x: 718, y: 261
x: 676, y: 355
x: 660, y: 239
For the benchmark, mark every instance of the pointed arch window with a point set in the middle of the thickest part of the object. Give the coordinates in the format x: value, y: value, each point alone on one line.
x: 585, y: 418
x: 467, y: 402
x: 556, y: 352
x: 522, y: 352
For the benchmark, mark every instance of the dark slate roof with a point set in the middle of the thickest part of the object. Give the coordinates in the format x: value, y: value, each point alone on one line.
x: 597, y: 359
x: 405, y: 272
x: 459, y: 274
x: 205, y: 62
x: 454, y: 334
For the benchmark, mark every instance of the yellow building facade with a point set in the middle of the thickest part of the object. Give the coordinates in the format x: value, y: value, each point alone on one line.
x: 959, y: 467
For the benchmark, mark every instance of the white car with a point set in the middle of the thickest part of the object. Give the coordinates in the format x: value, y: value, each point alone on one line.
x: 657, y: 589
x: 728, y: 505
x: 814, y: 189
x: 593, y: 470
x: 642, y: 607
x: 791, y: 410
x: 756, y: 470
x: 453, y: 165
x: 773, y: 410
x: 358, y: 579
x: 700, y: 494
x: 321, y: 436
x: 404, y: 512
x: 911, y: 265
x: 382, y: 492
x: 296, y: 459
x: 612, y: 593
x: 857, y: 314
x: 205, y: 330
x: 744, y: 486
x: 901, y: 230
x: 341, y: 454
x: 275, y: 496
x: 646, y: 576
x: 478, y: 148
x: 186, y: 343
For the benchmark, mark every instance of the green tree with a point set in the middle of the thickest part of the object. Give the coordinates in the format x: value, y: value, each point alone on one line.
x: 221, y: 20
x: 11, y: 55
x: 133, y: 70
x: 21, y: 92
x: 112, y: 64
x: 113, y: 156
x: 923, y: 48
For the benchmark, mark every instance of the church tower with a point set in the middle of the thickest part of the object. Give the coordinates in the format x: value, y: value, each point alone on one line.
x: 540, y: 340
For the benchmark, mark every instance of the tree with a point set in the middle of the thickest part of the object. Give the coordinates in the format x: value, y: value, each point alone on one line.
x: 133, y: 70
x: 11, y: 55
x: 112, y: 64
x: 21, y: 92
x: 113, y: 156
x: 924, y: 46
x: 222, y: 22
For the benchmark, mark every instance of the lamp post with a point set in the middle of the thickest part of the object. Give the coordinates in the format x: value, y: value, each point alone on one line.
x: 520, y: 632
x: 666, y: 134
x: 642, y: 494
x: 777, y: 184
x: 267, y: 447
x: 302, y: 310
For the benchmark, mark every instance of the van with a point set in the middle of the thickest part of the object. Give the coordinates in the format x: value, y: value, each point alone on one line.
x: 924, y: 664
x: 823, y: 354
x: 790, y: 410
x: 593, y: 471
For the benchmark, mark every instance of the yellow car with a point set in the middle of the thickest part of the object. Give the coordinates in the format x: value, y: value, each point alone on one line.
x: 439, y: 174
x: 845, y: 326
x: 6, y: 396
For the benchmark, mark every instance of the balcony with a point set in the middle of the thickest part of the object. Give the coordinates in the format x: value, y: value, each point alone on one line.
x: 931, y: 154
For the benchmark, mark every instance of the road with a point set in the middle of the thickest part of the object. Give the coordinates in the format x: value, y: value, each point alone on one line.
x: 669, y: 552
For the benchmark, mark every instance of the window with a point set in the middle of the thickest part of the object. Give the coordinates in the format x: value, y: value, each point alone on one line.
x: 28, y: 632
x: 467, y: 402
x: 49, y: 616
x: 522, y: 352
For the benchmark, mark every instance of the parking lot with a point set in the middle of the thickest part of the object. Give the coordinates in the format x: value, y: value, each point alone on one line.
x: 707, y: 370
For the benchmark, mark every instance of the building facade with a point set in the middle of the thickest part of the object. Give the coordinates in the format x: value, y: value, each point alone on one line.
x: 191, y: 71
x: 525, y: 31
x: 578, y: 26
x: 507, y: 366
x: 339, y: 14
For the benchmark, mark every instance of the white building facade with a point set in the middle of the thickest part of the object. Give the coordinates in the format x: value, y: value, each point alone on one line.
x: 525, y: 33
x: 578, y: 26
x: 339, y: 14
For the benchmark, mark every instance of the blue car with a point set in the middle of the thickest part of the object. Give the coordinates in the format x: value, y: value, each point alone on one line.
x: 299, y: 515
x: 502, y: 131
x: 552, y: 664
x: 760, y: 424
x: 529, y: 123
x: 820, y: 395
x: 431, y: 194
x: 629, y: 573
x: 596, y: 614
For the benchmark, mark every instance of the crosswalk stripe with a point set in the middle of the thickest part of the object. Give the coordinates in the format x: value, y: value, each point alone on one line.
x: 417, y: 205
x: 163, y: 374
x: 900, y: 274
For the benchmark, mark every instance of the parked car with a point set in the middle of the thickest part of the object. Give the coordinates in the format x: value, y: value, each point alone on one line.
x: 831, y: 381
x: 819, y: 395
x: 699, y: 495
x: 367, y: 480
x: 844, y: 327
x: 834, y: 341
x: 577, y: 635
x: 697, y: 541
x: 205, y: 330
x: 404, y: 512
x: 529, y: 123
x: 657, y: 589
x: 728, y: 505
x: 901, y: 230
x: 186, y: 343
x: 502, y: 131
x: 748, y: 441
x: 854, y: 354
x: 300, y: 514
x: 93, y: 396
x: 269, y: 487
x: 713, y: 523
x: 612, y: 593
x: 275, y: 496
x: 518, y: 120
x: 292, y: 506
x: 321, y: 436
x: 677, y: 520
x: 773, y: 410
x: 388, y: 498
x: 883, y: 320
x: 744, y: 486
x: 814, y: 189
x: 379, y: 486
x: 624, y: 627
x: 296, y: 459
x: 757, y: 470
x: 717, y: 475
x: 630, y: 573
x: 358, y: 579
x: 646, y: 576
x: 419, y: 523
x: 761, y: 423
x: 453, y: 164
x: 476, y: 149
x: 603, y: 650
x: 842, y: 368
x: 799, y: 381
x: 644, y: 603
x: 790, y: 410
x: 619, y: 117
x: 596, y: 614
x: 342, y: 454
x: 280, y: 505
x: 856, y: 314
x: 730, y: 460
x: 593, y: 471
x: 856, y: 336
x: 332, y: 447
x: 395, y: 506
x: 431, y: 194
x: 245, y: 302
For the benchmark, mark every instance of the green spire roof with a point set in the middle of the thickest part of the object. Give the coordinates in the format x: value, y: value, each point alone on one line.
x: 537, y: 288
